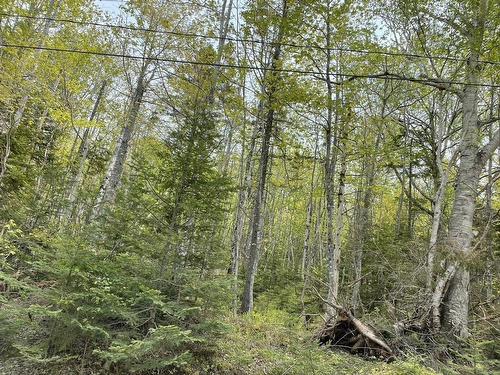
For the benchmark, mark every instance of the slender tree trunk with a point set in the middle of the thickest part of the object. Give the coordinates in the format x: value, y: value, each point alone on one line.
x: 318, y: 228
x: 247, y: 304
x: 112, y: 179
x: 490, y: 214
x: 77, y: 174
x: 439, y: 196
x: 52, y: 12
x: 307, y: 236
x: 436, y: 221
x: 225, y: 16
x: 330, y: 166
x: 240, y: 208
x: 226, y: 157
x: 399, y: 213
x: 255, y: 235
x: 410, y: 192
x: 339, y: 216
x: 363, y: 221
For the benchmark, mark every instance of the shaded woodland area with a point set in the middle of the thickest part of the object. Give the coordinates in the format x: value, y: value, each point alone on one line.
x: 249, y: 186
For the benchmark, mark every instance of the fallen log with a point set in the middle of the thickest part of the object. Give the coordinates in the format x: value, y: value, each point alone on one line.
x: 350, y: 334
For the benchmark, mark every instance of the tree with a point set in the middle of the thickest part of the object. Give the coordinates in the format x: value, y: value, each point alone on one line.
x: 271, y: 78
x: 472, y: 159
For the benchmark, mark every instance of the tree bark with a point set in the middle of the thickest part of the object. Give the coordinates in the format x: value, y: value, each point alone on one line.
x: 472, y: 160
x: 339, y: 219
x: 255, y: 235
x: 330, y: 166
x: 490, y: 213
x: 112, y: 179
x: 441, y: 180
x: 245, y: 173
x: 362, y: 225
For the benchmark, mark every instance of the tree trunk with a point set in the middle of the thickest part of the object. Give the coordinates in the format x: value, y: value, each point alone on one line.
x: 330, y: 166
x: 362, y: 218
x: 52, y: 12
x: 472, y: 160
x: 245, y: 173
x: 225, y: 16
x: 77, y: 174
x: 436, y: 221
x: 490, y: 214
x: 439, y: 195
x: 255, y: 235
x: 307, y: 236
x: 109, y: 188
x: 339, y: 217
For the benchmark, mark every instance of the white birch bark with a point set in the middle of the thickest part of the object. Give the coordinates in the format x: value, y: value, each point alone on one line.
x: 112, y: 179
x: 472, y: 160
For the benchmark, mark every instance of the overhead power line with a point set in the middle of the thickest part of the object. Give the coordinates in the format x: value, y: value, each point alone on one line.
x: 245, y: 40
x: 347, y: 77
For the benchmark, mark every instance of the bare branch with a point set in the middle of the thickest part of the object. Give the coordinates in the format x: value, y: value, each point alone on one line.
x: 419, y: 189
x: 487, y: 151
x: 454, y: 25
x: 407, y: 193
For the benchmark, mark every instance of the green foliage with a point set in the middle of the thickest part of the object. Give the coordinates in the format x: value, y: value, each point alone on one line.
x: 143, y: 286
x: 85, y: 302
x: 157, y: 350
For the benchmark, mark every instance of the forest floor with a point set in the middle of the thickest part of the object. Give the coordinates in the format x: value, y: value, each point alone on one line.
x: 272, y: 344
x: 268, y: 343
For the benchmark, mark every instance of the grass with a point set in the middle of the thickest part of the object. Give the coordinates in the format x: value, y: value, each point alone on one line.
x: 274, y: 343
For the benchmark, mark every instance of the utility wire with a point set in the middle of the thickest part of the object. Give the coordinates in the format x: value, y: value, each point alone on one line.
x: 348, y: 77
x: 244, y: 40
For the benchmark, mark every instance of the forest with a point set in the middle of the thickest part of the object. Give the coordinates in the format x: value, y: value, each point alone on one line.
x: 249, y: 187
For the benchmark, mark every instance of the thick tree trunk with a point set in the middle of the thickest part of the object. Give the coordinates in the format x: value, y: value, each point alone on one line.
x: 472, y: 160
x: 456, y: 307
